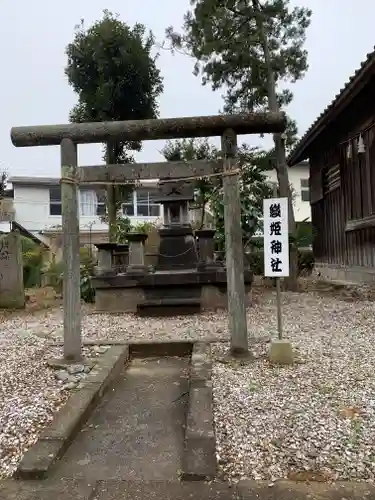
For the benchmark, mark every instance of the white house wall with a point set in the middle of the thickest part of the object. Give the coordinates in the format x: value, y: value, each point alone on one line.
x: 32, y: 206
x: 302, y: 209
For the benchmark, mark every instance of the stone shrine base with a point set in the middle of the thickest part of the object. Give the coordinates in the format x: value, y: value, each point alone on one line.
x: 174, y: 291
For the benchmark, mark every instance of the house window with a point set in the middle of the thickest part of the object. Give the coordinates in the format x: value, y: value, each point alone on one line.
x: 140, y: 204
x: 101, y: 206
x: 91, y: 203
x: 128, y: 205
x: 305, y: 190
x: 55, y: 200
x: 88, y: 203
x: 145, y: 205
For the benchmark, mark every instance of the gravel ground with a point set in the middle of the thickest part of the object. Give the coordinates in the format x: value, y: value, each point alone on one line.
x: 315, y: 417
x: 30, y: 393
x: 127, y: 326
x: 314, y: 420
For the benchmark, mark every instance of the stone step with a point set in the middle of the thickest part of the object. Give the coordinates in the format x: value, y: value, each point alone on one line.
x: 169, y: 301
x: 170, y: 306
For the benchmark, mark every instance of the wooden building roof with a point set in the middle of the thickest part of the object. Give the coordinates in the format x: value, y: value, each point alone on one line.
x: 352, y: 87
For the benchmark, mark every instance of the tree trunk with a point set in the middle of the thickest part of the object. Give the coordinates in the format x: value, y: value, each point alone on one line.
x: 281, y: 166
x: 111, y: 196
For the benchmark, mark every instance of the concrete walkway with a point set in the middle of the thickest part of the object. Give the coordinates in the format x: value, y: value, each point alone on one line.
x: 175, y: 490
x: 137, y: 432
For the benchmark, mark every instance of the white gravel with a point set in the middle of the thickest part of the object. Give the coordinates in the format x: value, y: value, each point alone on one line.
x: 270, y: 422
x: 29, y: 394
x: 128, y: 326
x: 315, y: 419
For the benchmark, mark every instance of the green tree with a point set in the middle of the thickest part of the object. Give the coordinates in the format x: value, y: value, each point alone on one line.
x: 253, y: 184
x: 112, y: 70
x: 252, y: 49
x: 224, y: 38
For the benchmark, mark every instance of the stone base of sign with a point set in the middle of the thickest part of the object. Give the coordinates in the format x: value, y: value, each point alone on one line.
x: 281, y: 352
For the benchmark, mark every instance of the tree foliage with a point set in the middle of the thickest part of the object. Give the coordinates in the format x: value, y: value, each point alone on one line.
x: 3, y: 183
x: 112, y: 70
x: 209, y: 192
x: 223, y: 37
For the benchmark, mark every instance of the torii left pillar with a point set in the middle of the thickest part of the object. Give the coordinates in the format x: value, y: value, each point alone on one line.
x: 71, y: 260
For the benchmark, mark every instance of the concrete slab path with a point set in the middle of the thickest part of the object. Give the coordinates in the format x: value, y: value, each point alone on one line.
x: 136, y: 432
x: 67, y: 489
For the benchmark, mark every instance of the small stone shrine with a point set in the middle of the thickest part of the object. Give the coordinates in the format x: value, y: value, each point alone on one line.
x: 186, y: 277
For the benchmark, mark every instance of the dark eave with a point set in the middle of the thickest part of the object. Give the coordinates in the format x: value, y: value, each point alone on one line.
x: 16, y: 226
x: 355, y: 84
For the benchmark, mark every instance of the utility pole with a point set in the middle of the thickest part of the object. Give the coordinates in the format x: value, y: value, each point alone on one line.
x: 281, y: 166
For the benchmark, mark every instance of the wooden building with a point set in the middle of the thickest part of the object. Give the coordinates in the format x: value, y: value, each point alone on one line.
x: 340, y: 147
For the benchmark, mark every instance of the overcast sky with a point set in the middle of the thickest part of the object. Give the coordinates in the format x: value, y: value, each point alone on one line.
x: 35, y: 91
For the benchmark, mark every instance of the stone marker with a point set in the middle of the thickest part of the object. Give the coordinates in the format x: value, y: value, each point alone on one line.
x: 281, y: 352
x: 136, y: 253
x: 12, y: 293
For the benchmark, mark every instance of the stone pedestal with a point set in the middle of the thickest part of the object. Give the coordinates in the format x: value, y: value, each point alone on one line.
x: 281, y: 352
x: 177, y: 248
x: 104, y: 266
x: 136, y: 253
x: 206, y: 247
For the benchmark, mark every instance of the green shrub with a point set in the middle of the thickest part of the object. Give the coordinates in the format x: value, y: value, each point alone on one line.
x: 87, y: 290
x: 304, y: 234
x: 32, y: 256
x: 256, y: 262
x: 305, y: 262
x: 87, y: 264
x: 142, y: 227
x: 55, y: 274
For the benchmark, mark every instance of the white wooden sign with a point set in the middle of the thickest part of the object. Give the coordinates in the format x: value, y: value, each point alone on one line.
x: 276, y: 237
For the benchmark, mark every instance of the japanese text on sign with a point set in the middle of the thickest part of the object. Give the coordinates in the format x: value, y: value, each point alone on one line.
x: 276, y: 240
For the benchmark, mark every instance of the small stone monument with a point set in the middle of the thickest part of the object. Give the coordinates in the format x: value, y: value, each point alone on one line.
x: 12, y: 293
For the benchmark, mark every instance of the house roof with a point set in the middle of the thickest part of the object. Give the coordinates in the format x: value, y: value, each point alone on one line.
x: 352, y: 87
x: 45, y: 181
x: 25, y: 232
x: 55, y: 181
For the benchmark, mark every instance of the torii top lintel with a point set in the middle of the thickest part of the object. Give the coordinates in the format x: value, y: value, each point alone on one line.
x: 140, y: 130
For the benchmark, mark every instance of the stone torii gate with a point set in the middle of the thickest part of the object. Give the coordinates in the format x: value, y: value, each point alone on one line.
x: 70, y: 135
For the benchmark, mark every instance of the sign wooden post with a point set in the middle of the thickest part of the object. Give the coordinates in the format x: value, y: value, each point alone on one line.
x: 276, y: 246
